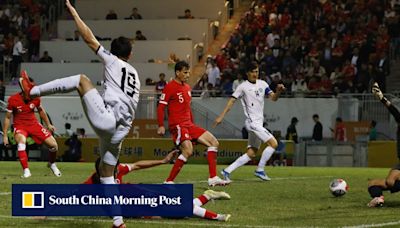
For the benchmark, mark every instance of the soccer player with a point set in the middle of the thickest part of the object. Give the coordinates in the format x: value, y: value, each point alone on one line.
x: 252, y: 93
x: 392, y: 181
x: 123, y: 169
x: 25, y: 124
x: 177, y: 96
x: 110, y: 114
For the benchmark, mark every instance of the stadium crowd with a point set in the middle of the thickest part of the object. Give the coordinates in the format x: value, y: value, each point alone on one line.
x: 313, y: 47
x: 21, y: 23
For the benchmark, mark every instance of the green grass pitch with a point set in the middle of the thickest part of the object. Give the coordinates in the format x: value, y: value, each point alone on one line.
x: 295, y: 197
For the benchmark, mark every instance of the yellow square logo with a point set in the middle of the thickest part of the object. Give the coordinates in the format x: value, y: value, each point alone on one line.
x: 32, y: 199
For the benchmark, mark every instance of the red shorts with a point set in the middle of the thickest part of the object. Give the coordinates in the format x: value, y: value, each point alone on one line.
x: 36, y: 131
x: 180, y: 134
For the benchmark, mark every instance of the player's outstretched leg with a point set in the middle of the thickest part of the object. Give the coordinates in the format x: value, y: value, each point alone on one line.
x: 79, y: 82
x: 203, y: 199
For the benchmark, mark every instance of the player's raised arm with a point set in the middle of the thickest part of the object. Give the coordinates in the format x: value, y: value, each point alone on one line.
x: 83, y: 29
x: 228, y: 107
x: 279, y: 89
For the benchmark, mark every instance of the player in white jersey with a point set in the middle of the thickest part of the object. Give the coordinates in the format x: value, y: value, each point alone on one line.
x: 110, y: 114
x: 252, y: 93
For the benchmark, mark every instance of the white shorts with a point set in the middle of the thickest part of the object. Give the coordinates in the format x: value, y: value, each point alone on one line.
x: 103, y: 121
x: 257, y: 134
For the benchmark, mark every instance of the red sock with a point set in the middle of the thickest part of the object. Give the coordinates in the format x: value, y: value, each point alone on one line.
x: 210, y: 215
x: 176, y: 169
x: 212, y: 161
x: 203, y: 199
x: 52, y: 157
x: 23, y: 159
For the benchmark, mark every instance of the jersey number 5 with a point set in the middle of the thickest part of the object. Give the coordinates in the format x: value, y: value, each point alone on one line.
x: 130, y: 80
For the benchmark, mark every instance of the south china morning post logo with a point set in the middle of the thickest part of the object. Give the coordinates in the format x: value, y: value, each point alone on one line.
x: 34, y: 200
x: 131, y: 200
x: 117, y: 200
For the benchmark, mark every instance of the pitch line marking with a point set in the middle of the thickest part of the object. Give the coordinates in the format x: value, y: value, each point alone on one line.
x: 235, y: 181
x: 139, y: 221
x: 375, y: 225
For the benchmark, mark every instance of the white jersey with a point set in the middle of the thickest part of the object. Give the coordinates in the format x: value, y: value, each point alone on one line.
x: 252, y: 97
x: 121, y: 86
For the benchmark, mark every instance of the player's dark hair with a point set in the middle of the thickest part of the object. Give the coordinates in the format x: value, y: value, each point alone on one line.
x: 180, y: 65
x: 373, y: 123
x: 121, y: 47
x: 67, y: 126
x: 251, y: 66
x: 339, y: 119
x: 315, y: 116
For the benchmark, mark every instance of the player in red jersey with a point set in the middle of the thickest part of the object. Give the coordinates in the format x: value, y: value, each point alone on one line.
x: 25, y: 124
x: 177, y: 96
x: 123, y: 169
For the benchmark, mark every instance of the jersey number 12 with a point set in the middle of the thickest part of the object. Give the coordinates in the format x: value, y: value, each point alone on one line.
x: 130, y: 79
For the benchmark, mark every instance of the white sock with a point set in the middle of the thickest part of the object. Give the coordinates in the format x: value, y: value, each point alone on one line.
x: 181, y: 157
x: 242, y: 160
x: 197, y: 202
x: 266, y: 155
x: 118, y: 220
x: 107, y: 180
x: 62, y: 85
x: 199, y: 211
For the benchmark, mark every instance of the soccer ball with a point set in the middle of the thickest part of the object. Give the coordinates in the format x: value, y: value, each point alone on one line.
x: 338, y: 187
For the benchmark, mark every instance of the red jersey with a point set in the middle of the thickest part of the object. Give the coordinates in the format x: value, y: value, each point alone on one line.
x: 23, y: 112
x: 340, y: 132
x: 123, y: 169
x: 178, y: 97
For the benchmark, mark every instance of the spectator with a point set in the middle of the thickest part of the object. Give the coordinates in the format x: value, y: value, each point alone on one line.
x: 68, y: 132
x: 237, y: 81
x: 188, y: 15
x: 74, y: 152
x: 161, y: 83
x: 140, y: 36
x: 372, y: 132
x: 213, y: 75
x: 34, y: 38
x: 17, y: 53
x: 318, y: 129
x: 226, y: 87
x: 291, y: 132
x: 135, y: 14
x: 340, y: 130
x: 81, y: 132
x: 46, y: 58
x: 111, y: 15
x: 382, y: 71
